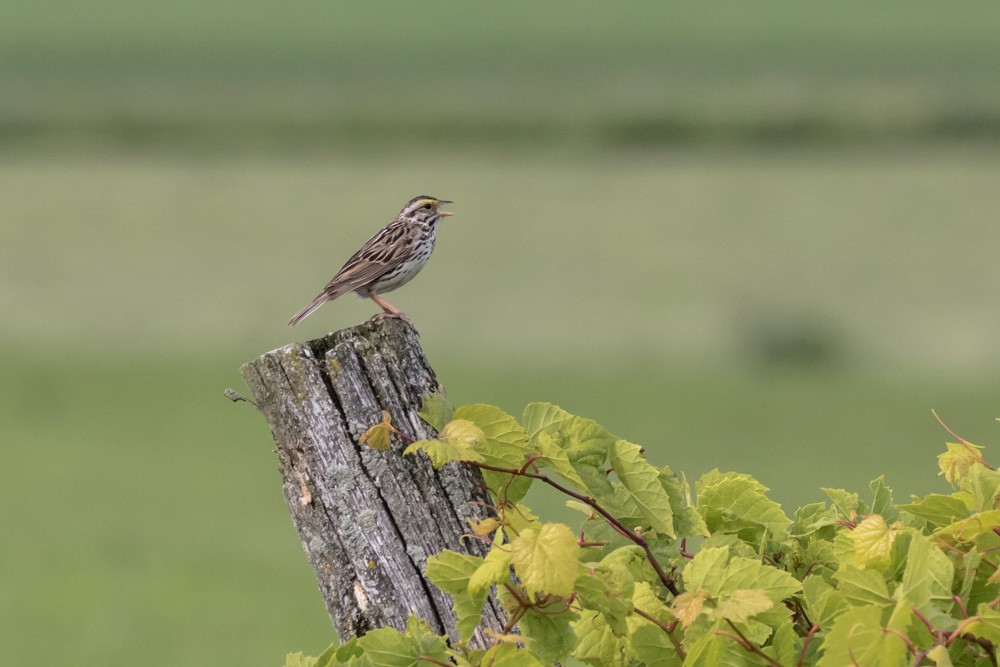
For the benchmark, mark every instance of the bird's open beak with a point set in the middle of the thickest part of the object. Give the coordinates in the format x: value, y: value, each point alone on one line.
x: 444, y: 214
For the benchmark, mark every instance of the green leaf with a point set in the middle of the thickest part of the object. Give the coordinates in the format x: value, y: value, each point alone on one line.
x: 719, y: 578
x: 546, y: 559
x: 987, y: 624
x: 519, y: 518
x: 597, y: 644
x: 823, y: 601
x: 687, y: 521
x: 345, y: 653
x: 556, y: 458
x: 435, y: 409
x: 506, y: 446
x: 585, y: 442
x: 882, y: 500
x: 645, y: 598
x: 862, y: 587
x: 786, y: 645
x: 984, y: 485
x: 939, y: 654
x: 451, y: 572
x: 633, y: 559
x: 718, y: 650
x: 857, y: 638
x: 508, y: 655
x: 928, y: 575
x: 549, y: 635
x: 651, y: 646
x: 506, y: 443
x: 588, y: 446
x: 846, y: 503
x: 938, y: 510
x: 494, y: 569
x: 299, y: 660
x: 428, y: 643
x: 539, y: 416
x: 387, y: 647
x: 642, y: 481
x: 736, y: 503
x: 811, y: 517
x: 873, y: 540
x: 607, y: 591
x: 708, y: 565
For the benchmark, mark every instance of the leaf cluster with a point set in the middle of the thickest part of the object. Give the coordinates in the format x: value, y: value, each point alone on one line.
x: 652, y: 576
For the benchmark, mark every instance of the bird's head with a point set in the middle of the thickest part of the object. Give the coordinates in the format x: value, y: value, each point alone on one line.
x: 424, y: 209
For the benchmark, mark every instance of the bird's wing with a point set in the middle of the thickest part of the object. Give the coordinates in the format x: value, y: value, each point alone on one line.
x: 389, y: 248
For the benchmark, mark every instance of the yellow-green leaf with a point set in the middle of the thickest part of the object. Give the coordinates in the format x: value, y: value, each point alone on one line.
x: 968, y: 529
x: 742, y: 603
x: 873, y: 540
x: 483, y: 526
x: 546, y: 559
x: 518, y: 518
x: 687, y: 606
x: 939, y: 654
x: 504, y: 442
x: 505, y: 654
x: 379, y: 436
x: 494, y: 569
x: 457, y: 441
x: 957, y: 459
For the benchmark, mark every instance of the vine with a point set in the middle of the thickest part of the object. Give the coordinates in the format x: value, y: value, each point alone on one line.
x: 656, y: 578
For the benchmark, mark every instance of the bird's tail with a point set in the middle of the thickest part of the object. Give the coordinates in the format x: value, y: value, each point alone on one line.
x: 308, y: 310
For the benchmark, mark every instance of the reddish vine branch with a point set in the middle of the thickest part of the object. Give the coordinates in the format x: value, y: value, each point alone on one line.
x: 631, y: 535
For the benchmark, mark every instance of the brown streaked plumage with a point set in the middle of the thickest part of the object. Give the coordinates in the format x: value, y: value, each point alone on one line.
x: 388, y: 260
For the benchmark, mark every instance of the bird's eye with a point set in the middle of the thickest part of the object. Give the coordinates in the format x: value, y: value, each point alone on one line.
x: 427, y: 206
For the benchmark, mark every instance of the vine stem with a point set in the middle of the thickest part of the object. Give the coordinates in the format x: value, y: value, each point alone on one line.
x: 805, y: 645
x: 631, y: 535
x: 962, y: 441
x: 666, y: 627
x: 749, y: 645
x: 434, y: 661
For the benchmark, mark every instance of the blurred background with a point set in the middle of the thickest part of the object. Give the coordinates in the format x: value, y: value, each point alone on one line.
x: 759, y: 237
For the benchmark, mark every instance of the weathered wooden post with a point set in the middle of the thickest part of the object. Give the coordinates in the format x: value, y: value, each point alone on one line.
x: 368, y: 520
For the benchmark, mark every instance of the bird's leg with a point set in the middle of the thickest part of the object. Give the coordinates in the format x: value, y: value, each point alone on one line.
x: 388, y: 308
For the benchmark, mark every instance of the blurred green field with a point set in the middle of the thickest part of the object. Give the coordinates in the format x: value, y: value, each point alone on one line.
x: 755, y: 239
x: 251, y: 74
